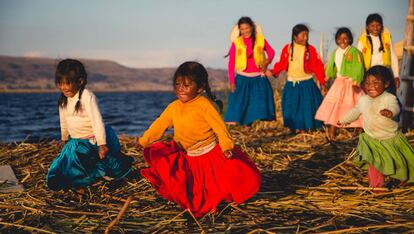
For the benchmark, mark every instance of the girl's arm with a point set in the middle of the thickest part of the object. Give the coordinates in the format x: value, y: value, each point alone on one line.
x: 270, y: 55
x: 394, y: 63
x: 217, y: 124
x: 281, y: 65
x: 64, y: 133
x: 392, y: 108
x: 158, y: 127
x: 317, y: 65
x: 92, y: 110
x: 350, y: 116
x: 231, y: 63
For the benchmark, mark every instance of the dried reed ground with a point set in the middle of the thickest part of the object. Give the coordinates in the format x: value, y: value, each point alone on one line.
x: 308, y: 186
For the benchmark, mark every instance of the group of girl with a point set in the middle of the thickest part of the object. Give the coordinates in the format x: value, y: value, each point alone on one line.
x: 201, y: 166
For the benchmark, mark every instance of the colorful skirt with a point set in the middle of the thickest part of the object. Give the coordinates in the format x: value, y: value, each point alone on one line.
x: 300, y: 101
x: 341, y: 98
x: 252, y: 100
x: 200, y: 183
x: 392, y: 157
x: 79, y: 165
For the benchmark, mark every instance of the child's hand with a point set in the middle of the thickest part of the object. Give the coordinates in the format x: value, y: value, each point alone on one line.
x: 386, y: 113
x: 232, y: 88
x: 268, y: 73
x: 228, y: 154
x: 62, y: 144
x: 103, y: 150
x: 324, y: 90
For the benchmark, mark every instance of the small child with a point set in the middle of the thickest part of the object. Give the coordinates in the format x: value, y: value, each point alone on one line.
x: 200, y: 167
x: 346, y: 64
x: 383, y: 150
x: 91, y: 150
x: 301, y: 97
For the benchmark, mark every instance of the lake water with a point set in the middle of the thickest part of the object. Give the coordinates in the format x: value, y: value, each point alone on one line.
x: 34, y: 116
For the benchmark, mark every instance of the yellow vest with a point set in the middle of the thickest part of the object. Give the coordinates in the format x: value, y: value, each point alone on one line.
x: 258, y: 52
x: 366, y: 49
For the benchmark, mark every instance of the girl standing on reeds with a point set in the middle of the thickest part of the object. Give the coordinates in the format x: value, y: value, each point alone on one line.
x: 376, y: 46
x: 383, y: 149
x: 201, y: 166
x: 91, y: 149
x: 251, y: 94
x: 346, y: 66
x: 301, y: 97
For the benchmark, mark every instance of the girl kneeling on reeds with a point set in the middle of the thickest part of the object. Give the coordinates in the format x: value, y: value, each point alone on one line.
x: 91, y: 149
x: 200, y: 167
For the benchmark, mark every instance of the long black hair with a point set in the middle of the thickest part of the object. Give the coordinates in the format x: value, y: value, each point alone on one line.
x: 71, y: 71
x: 249, y: 21
x: 295, y: 31
x: 374, y: 18
x: 197, y: 73
x: 385, y: 75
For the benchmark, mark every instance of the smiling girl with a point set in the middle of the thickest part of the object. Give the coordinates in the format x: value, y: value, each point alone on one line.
x: 201, y: 166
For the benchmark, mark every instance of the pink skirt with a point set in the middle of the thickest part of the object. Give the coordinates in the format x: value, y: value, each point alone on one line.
x: 340, y: 99
x: 200, y: 183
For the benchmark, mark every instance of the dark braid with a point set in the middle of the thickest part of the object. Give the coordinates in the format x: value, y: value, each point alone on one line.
x: 374, y: 18
x: 214, y: 98
x: 381, y: 48
x: 78, y: 105
x: 295, y: 31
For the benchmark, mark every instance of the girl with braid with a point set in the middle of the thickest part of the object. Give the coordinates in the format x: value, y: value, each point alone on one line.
x: 376, y: 46
x: 201, y: 166
x: 91, y: 150
x: 301, y: 97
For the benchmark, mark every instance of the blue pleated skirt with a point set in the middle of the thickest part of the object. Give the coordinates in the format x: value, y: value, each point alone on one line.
x: 252, y: 100
x: 300, y: 101
x: 78, y: 165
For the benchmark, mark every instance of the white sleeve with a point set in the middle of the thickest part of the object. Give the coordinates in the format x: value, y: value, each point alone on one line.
x: 360, y: 46
x: 353, y: 114
x: 392, y: 105
x: 394, y: 62
x: 64, y: 133
x: 92, y: 110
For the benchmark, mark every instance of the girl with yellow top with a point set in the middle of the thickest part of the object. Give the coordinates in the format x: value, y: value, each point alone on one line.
x: 201, y: 166
x: 376, y: 46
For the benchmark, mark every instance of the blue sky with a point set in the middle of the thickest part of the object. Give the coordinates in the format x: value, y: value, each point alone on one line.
x: 155, y: 33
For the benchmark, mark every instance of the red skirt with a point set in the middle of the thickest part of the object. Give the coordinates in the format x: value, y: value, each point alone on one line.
x: 200, y: 183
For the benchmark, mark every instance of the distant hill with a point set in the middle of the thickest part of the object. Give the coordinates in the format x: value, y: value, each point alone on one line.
x: 37, y: 74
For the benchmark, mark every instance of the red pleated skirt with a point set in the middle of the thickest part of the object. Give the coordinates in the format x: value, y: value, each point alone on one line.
x: 200, y: 183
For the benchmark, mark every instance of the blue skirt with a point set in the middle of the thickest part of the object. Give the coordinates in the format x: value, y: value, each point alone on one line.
x: 252, y: 100
x: 78, y: 165
x: 300, y: 101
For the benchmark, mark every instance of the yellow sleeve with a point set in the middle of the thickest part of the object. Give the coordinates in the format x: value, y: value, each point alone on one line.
x: 219, y: 127
x: 157, y: 128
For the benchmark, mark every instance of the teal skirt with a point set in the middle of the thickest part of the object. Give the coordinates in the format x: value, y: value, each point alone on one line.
x: 393, y: 157
x: 79, y: 165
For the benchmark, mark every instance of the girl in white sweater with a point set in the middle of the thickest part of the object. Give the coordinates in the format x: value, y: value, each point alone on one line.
x: 91, y: 149
x: 383, y: 149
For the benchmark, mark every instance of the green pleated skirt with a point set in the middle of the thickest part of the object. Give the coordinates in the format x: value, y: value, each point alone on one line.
x: 393, y: 157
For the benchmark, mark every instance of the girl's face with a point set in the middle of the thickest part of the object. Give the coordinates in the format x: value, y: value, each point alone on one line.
x: 67, y: 88
x: 374, y: 86
x: 246, y: 30
x: 301, y: 38
x: 374, y: 28
x: 186, y: 89
x: 342, y: 40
